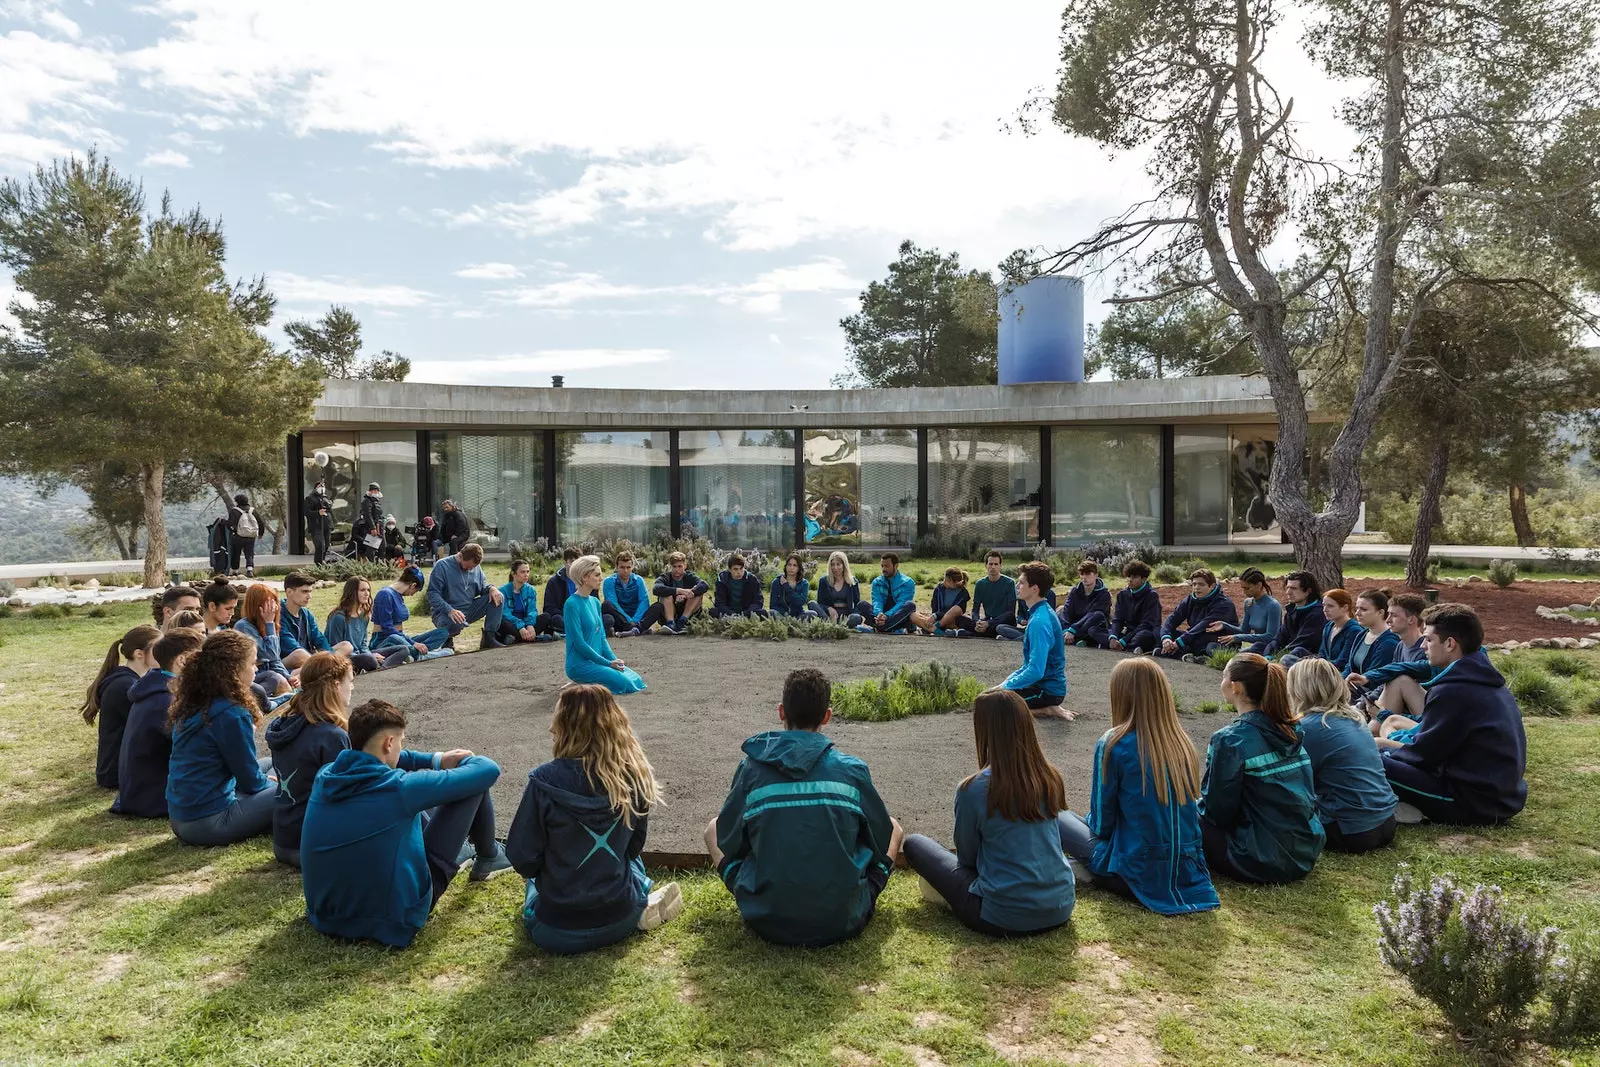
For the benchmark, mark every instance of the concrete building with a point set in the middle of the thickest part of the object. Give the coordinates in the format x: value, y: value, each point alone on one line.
x: 1183, y: 462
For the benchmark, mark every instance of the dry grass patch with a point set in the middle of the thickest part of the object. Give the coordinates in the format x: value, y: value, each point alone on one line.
x: 1095, y: 1021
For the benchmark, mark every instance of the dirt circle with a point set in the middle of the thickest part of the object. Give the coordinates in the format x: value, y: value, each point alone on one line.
x: 706, y: 695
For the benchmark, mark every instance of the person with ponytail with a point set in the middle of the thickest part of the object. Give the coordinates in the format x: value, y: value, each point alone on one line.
x: 599, y: 787
x: 107, y: 700
x: 1258, y: 802
x: 218, y: 791
x: 308, y: 735
x: 1354, y: 800
x: 1142, y: 837
x: 1341, y: 633
x: 349, y: 624
x: 147, y: 742
x: 1008, y: 875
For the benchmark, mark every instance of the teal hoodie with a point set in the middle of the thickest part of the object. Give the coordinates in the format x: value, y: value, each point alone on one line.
x: 805, y: 837
x: 1258, y: 790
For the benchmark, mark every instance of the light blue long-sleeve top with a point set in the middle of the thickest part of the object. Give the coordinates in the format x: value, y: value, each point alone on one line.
x: 589, y: 656
x: 1044, y: 657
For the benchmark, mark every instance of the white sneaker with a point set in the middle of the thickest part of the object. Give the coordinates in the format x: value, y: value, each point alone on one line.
x: 664, y: 905
x: 1408, y: 814
x: 929, y: 894
x: 1080, y: 873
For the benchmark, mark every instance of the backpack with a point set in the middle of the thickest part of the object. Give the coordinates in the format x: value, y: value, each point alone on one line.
x: 248, y: 526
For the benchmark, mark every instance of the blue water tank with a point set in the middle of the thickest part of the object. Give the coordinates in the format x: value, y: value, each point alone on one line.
x: 1041, y: 331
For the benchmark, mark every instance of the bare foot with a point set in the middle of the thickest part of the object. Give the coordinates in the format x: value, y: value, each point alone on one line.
x: 1055, y: 712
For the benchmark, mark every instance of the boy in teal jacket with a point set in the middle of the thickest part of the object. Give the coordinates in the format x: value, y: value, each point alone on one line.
x: 803, y: 842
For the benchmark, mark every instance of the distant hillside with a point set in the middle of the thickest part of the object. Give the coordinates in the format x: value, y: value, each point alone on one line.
x: 37, y: 529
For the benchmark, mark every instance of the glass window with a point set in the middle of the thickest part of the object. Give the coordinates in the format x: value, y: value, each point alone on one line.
x: 1106, y: 482
x: 330, y: 457
x: 861, y: 487
x: 1201, y: 485
x: 1254, y: 448
x: 390, y: 459
x: 983, y: 482
x: 738, y: 487
x: 888, y: 487
x: 497, y: 480
x: 611, y: 485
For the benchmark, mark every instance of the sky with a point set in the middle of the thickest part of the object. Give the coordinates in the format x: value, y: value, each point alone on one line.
x: 630, y: 195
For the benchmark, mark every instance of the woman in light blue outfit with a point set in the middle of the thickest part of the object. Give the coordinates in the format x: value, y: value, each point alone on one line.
x: 589, y: 657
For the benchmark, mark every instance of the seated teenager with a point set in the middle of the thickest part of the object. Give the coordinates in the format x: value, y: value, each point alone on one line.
x: 308, y: 735
x: 556, y: 590
x: 1369, y: 685
x: 1186, y: 633
x: 147, y: 741
x: 185, y: 620
x: 218, y: 791
x: 385, y: 827
x: 994, y: 600
x: 1136, y: 620
x: 350, y: 623
x: 519, y: 610
x: 839, y: 594
x: 1465, y: 765
x: 1021, y: 610
x: 108, y: 699
x: 947, y: 607
x: 1086, y: 616
x: 580, y: 828
x: 589, y: 657
x: 1258, y: 801
x: 173, y: 599
x: 1041, y: 681
x: 1340, y: 634
x: 1142, y: 837
x: 258, y: 620
x: 1377, y: 645
x: 1007, y: 874
x: 803, y: 842
x: 298, y: 634
x: 679, y: 593
x: 1354, y: 801
x: 1260, y: 621
x: 459, y: 594
x: 894, y: 598
x: 627, y: 594
x: 738, y: 592
x: 789, y: 594
x: 390, y: 614
x: 217, y: 604
x: 1303, y: 620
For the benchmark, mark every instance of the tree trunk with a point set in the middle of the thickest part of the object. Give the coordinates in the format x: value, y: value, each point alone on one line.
x: 1519, y: 515
x: 1428, y: 514
x: 152, y: 485
x: 122, y: 545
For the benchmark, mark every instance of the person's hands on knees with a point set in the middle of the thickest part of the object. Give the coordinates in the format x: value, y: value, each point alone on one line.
x: 711, y: 844
x: 452, y: 759
x: 896, y: 838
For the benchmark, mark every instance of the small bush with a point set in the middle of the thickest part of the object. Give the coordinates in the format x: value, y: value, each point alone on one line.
x: 1169, y: 574
x: 8, y: 589
x: 1218, y: 658
x: 1537, y: 691
x: 1434, y: 571
x: 772, y: 628
x: 1227, y: 571
x: 1502, y: 572
x: 907, y: 690
x: 97, y: 612
x: 372, y: 570
x: 6, y: 611
x: 1177, y: 701
x: 1111, y: 548
x: 47, y: 611
x: 1211, y: 707
x: 1569, y: 665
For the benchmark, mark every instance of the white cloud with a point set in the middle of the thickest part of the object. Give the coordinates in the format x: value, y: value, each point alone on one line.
x: 510, y: 369
x: 50, y: 86
x: 577, y: 289
x: 165, y: 158
x: 492, y: 271
x: 763, y: 296
x: 294, y: 288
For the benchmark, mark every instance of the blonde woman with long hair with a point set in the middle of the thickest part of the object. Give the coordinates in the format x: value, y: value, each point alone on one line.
x: 589, y: 656
x: 580, y: 828
x: 839, y: 593
x: 1142, y: 838
x: 1354, y: 799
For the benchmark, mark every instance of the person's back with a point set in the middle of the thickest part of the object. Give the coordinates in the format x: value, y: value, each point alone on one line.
x: 300, y: 749
x: 213, y: 760
x: 1352, y: 792
x: 1023, y: 875
x: 1259, y: 791
x: 146, y: 748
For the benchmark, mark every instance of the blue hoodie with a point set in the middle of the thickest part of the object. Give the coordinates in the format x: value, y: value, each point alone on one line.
x: 342, y: 628
x: 1021, y: 611
x: 738, y: 595
x: 786, y: 599
x: 1155, y: 847
x: 843, y: 599
x: 571, y: 843
x: 805, y: 837
x: 1080, y: 604
x: 362, y: 860
x: 1301, y: 632
x: 1258, y: 623
x: 146, y: 749
x: 389, y: 612
x: 521, y: 607
x: 1259, y: 791
x: 1138, y: 615
x: 945, y: 598
x: 1336, y: 648
x: 632, y: 597
x: 1471, y: 739
x: 300, y: 631
x: 1200, y: 612
x: 890, y: 593
x: 269, y: 652
x: 114, y: 699
x: 1044, y: 656
x: 1023, y: 877
x: 213, y: 759
x: 299, y: 750
x: 1363, y: 657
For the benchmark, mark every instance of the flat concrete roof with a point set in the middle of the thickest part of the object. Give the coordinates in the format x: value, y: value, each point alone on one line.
x: 1222, y: 398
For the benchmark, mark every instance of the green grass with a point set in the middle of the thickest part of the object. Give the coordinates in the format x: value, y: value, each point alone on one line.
x: 921, y: 689
x: 118, y: 945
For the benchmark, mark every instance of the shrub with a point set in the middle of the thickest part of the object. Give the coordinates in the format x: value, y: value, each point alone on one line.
x: 1211, y: 707
x: 937, y: 544
x: 1121, y: 548
x: 1537, y: 691
x: 652, y: 560
x: 372, y: 570
x: 1177, y: 701
x: 1502, y: 572
x: 907, y: 690
x: 1226, y: 571
x: 1569, y: 665
x: 772, y: 628
x: 6, y: 611
x: 47, y: 611
x: 97, y: 612
x: 1169, y: 574
x: 8, y: 589
x: 1435, y: 569
x: 1218, y: 658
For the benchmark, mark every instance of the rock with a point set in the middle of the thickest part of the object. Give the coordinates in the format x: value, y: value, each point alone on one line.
x: 92, y: 583
x: 1471, y: 578
x: 1567, y: 642
x: 1099, y: 1039
x: 1542, y: 642
x: 1587, y: 642
x: 1578, y: 607
x: 1510, y: 646
x: 1247, y: 1049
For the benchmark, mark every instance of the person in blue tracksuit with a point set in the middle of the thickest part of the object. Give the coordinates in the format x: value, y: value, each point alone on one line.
x: 994, y: 601
x: 738, y: 592
x: 218, y: 791
x: 299, y: 635
x: 390, y: 614
x: 894, y: 599
x: 580, y: 828
x: 1410, y: 659
x: 629, y: 596
x: 1021, y: 610
x: 459, y: 594
x: 147, y: 742
x: 1187, y: 631
x: 679, y: 592
x: 306, y: 736
x: 1467, y: 761
x: 107, y: 702
x: 839, y: 594
x: 1142, y: 837
x: 1258, y: 800
x: 1041, y: 681
x: 350, y: 623
x: 519, y: 608
x: 1377, y: 645
x: 1136, y: 620
x: 1340, y: 634
x: 556, y: 590
x: 946, y: 607
x: 1260, y: 620
x: 385, y: 827
x: 1303, y: 620
x: 1354, y: 800
x: 790, y: 594
x: 1086, y: 616
x: 803, y: 841
x: 1008, y: 874
x: 589, y: 656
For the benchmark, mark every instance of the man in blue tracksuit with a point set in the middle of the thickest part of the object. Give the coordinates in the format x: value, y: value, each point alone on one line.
x: 894, y: 599
x: 1303, y: 620
x: 1086, y: 616
x: 459, y: 594
x: 1136, y: 622
x: 803, y: 841
x: 1259, y: 622
x: 738, y: 592
x: 1041, y: 681
x: 1466, y: 763
x: 629, y: 597
x: 1185, y: 631
x: 384, y: 830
